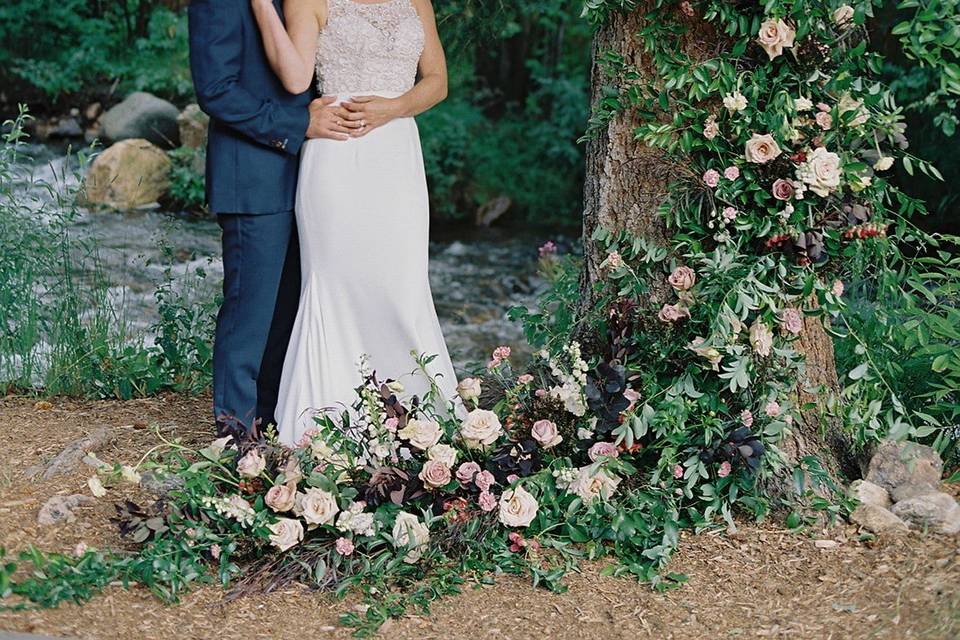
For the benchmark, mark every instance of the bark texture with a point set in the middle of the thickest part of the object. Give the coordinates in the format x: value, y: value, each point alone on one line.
x: 625, y: 183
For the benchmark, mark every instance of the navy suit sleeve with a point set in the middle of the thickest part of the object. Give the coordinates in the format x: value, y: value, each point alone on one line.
x: 216, y: 43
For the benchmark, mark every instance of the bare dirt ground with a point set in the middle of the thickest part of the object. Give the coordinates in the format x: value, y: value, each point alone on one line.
x: 762, y: 582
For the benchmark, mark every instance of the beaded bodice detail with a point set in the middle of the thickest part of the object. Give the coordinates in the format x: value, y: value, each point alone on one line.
x: 369, y: 47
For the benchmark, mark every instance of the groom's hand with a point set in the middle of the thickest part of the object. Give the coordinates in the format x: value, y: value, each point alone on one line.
x: 329, y: 121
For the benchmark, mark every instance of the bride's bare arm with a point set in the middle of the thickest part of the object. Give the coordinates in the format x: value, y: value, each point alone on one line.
x: 431, y: 89
x: 291, y: 50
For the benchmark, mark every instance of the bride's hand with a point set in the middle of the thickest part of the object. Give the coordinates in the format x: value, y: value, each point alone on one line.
x: 371, y: 112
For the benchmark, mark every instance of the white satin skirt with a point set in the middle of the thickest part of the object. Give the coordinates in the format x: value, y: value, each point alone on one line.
x: 363, y: 221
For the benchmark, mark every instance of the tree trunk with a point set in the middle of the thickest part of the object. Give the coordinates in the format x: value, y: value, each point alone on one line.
x: 625, y: 183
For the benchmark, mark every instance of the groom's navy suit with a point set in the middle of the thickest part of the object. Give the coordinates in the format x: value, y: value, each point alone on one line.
x: 256, y: 130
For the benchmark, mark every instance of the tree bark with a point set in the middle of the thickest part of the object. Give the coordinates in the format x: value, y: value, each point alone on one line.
x: 625, y: 183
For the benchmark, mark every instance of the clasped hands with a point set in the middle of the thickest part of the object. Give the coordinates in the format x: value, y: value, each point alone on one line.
x: 354, y: 118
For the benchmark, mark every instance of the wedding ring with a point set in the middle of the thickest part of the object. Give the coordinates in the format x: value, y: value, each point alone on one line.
x: 339, y: 123
x: 363, y: 123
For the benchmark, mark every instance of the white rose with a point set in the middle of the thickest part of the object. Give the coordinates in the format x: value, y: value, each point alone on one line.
x: 316, y: 506
x: 480, y: 429
x: 774, y: 36
x: 735, y: 102
x: 469, y: 389
x: 545, y: 433
x: 285, y: 533
x: 517, y: 508
x: 443, y: 453
x: 883, y: 163
x: 591, y: 485
x: 843, y: 16
x: 252, y: 464
x: 821, y: 171
x: 410, y: 533
x: 761, y: 149
x: 422, y: 434
x: 281, y: 497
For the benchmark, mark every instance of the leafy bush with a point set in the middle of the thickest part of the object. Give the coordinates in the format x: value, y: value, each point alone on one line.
x: 187, y: 189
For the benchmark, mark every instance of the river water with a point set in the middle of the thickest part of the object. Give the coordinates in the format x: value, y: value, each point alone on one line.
x: 476, y: 274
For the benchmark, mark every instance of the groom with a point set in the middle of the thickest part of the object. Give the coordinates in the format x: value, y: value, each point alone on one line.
x: 256, y: 130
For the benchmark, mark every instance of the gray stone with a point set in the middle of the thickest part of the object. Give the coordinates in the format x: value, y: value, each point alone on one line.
x: 67, y: 128
x: 68, y: 459
x: 899, y: 463
x: 60, y: 508
x: 907, y: 491
x: 129, y: 175
x: 143, y: 115
x: 868, y: 493
x: 193, y: 124
x: 159, y: 484
x: 939, y: 511
x: 878, y: 520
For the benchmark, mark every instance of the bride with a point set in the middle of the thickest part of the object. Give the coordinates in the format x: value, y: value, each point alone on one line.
x: 362, y: 209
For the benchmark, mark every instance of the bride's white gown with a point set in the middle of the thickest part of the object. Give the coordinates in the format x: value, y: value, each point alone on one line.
x: 363, y: 219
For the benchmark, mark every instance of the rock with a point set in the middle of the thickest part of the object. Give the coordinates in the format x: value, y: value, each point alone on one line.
x: 457, y: 249
x: 130, y: 174
x: 899, y: 463
x: 907, y: 491
x: 868, y: 493
x: 193, y: 125
x: 878, y: 520
x: 93, y: 111
x: 159, y: 484
x: 60, y: 509
x: 66, y: 128
x: 938, y: 510
x: 143, y: 115
x: 68, y: 459
x: 826, y: 544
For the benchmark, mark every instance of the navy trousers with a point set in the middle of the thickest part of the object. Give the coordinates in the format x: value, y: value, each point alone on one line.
x: 261, y: 291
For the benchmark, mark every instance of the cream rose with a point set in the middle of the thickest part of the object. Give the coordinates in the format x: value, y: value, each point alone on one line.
x: 843, y: 16
x: 821, y: 171
x: 252, y: 464
x: 592, y: 484
x: 435, y: 474
x: 410, y: 533
x: 316, y: 506
x: 774, y: 36
x: 285, y: 533
x: 281, y: 497
x: 761, y: 149
x: 443, y: 453
x: 469, y: 389
x: 480, y: 428
x: 517, y: 508
x: 422, y: 434
x: 545, y: 433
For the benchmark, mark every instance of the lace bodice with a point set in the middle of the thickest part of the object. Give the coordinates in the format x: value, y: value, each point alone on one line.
x: 369, y: 47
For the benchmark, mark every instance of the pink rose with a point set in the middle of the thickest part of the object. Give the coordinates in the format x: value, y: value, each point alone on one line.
x: 435, y: 474
x: 823, y: 107
x: 525, y: 379
x: 540, y: 393
x: 783, y: 189
x: 772, y: 409
x: 731, y: 173
x: 729, y: 214
x: 824, y: 120
x: 673, y: 313
x: 281, y: 497
x: 837, y: 288
x: 791, y: 321
x: 711, y: 178
x: 710, y: 128
x: 682, y: 278
x: 677, y: 471
x: 545, y: 433
x: 344, y: 546
x: 484, y: 480
x: 746, y: 417
x: 488, y: 502
x: 724, y: 469
x: 602, y: 450
x: 774, y: 36
x: 466, y: 471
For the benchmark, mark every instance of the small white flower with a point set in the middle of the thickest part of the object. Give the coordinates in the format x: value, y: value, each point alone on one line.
x: 883, y: 163
x: 735, y: 102
x: 96, y: 487
x: 129, y: 474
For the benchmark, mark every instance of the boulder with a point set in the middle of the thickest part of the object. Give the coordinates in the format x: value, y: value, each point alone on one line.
x: 878, y: 520
x: 936, y: 510
x: 193, y: 125
x: 130, y: 174
x: 907, y: 491
x: 868, y: 493
x: 66, y: 128
x: 902, y: 463
x: 142, y: 115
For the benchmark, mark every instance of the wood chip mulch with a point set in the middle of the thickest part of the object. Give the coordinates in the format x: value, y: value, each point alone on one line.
x: 760, y: 582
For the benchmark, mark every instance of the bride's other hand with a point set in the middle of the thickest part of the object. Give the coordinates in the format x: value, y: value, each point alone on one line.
x: 330, y: 121
x: 370, y: 112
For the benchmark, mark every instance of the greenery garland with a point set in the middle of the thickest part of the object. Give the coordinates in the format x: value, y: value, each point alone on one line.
x: 664, y: 425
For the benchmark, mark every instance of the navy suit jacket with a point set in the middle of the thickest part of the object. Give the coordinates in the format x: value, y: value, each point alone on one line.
x: 256, y: 126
